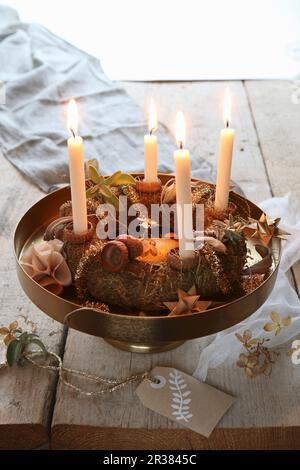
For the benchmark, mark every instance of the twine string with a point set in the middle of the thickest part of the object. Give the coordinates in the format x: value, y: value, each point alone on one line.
x: 107, y: 385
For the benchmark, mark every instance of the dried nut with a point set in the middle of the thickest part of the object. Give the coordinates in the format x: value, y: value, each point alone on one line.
x: 134, y: 245
x: 114, y: 256
x: 175, y: 262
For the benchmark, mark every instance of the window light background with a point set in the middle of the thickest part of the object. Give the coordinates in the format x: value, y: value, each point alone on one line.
x: 178, y: 40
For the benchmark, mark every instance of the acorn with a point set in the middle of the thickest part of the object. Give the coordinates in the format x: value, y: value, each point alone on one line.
x: 114, y: 256
x: 134, y: 245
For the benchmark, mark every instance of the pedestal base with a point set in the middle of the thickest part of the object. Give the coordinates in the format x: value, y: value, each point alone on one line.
x: 145, y: 348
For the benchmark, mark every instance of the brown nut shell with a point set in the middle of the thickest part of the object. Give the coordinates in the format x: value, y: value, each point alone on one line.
x: 134, y: 245
x: 114, y: 256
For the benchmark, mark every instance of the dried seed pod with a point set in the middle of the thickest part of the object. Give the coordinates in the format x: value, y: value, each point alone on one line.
x: 168, y: 194
x: 114, y: 256
x: 134, y: 245
x: 55, y: 229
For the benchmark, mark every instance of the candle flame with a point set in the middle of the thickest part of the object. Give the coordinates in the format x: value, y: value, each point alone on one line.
x: 152, y: 116
x: 227, y: 107
x: 180, y: 129
x: 72, y: 117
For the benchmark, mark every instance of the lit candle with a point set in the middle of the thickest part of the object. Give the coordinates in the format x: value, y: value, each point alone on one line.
x: 225, y: 158
x: 77, y: 176
x: 150, y: 147
x: 183, y: 192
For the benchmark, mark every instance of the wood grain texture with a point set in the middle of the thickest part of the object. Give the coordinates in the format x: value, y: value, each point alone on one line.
x: 26, y: 394
x: 95, y: 438
x: 277, y: 122
x: 261, y: 417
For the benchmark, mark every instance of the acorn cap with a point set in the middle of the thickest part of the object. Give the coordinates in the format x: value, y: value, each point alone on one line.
x: 134, y: 245
x: 114, y: 256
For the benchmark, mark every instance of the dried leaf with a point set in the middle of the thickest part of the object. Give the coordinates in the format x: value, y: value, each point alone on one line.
x: 125, y: 179
x: 94, y: 175
x: 239, y: 337
x: 4, y: 331
x: 105, y: 191
x: 247, y: 335
x: 8, y: 338
x: 112, y: 180
x: 13, y: 325
x: 286, y: 321
x: 275, y: 317
x: 270, y: 327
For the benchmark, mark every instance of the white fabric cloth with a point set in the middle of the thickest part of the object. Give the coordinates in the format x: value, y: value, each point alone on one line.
x: 283, y: 299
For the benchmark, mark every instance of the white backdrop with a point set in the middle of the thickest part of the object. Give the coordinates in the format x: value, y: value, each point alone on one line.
x: 178, y: 39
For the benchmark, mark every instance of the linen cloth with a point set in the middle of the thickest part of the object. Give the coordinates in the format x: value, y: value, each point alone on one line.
x: 42, y: 72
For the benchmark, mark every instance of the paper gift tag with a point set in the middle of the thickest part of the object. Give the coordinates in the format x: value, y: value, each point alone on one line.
x: 185, y: 400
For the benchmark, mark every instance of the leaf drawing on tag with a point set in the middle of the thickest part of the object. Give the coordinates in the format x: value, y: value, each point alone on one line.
x: 181, y: 402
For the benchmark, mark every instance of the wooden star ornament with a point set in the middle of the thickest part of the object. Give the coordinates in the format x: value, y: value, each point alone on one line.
x: 188, y: 302
x: 266, y: 229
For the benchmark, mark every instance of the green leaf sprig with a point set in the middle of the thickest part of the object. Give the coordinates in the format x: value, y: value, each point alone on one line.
x: 102, y: 186
x: 18, y: 346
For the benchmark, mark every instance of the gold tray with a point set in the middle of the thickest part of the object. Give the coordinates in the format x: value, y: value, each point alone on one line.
x: 130, y: 332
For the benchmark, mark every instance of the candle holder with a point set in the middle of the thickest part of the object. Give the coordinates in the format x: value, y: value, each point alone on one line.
x: 69, y: 235
x: 145, y: 187
x: 131, y: 329
x: 148, y: 193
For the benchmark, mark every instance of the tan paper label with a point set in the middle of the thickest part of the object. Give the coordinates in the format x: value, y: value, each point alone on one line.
x: 185, y: 400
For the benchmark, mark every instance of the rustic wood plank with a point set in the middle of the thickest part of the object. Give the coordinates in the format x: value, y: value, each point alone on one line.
x: 26, y: 394
x: 266, y: 414
x: 277, y: 121
x: 118, y: 420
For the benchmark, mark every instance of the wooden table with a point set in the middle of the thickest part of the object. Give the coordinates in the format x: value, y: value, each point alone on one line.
x: 36, y: 411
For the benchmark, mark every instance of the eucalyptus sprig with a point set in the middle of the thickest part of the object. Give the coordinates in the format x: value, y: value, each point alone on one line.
x: 102, y: 186
x: 18, y: 346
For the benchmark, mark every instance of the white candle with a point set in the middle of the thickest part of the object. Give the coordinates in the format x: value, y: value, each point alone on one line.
x: 183, y: 192
x: 150, y: 147
x: 77, y: 176
x: 225, y: 158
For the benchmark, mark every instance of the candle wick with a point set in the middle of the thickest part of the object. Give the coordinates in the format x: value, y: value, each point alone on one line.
x: 151, y: 131
x: 227, y: 123
x: 73, y: 133
x: 180, y: 145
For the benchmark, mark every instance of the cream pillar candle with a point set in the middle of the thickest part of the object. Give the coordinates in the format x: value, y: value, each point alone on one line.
x: 183, y: 192
x: 77, y: 175
x: 225, y: 158
x: 150, y: 147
